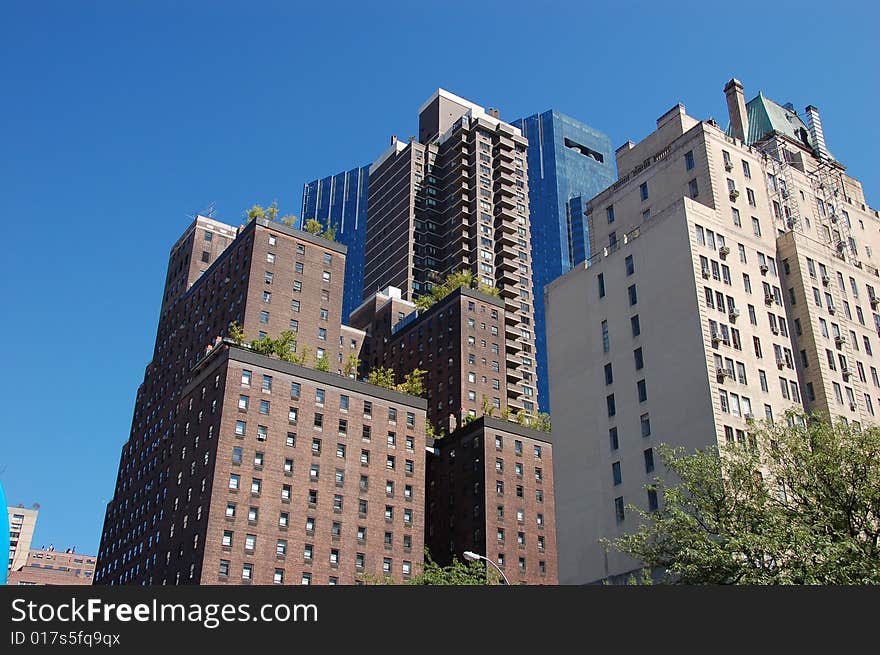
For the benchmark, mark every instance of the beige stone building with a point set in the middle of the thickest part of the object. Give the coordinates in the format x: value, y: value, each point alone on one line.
x: 733, y: 277
x: 22, y: 522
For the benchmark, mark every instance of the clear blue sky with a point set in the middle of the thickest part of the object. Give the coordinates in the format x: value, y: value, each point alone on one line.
x: 117, y: 119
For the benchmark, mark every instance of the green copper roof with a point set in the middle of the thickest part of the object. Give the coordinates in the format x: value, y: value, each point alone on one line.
x: 766, y: 117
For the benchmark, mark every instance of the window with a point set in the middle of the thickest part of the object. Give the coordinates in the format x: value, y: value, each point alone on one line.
x: 609, y: 401
x: 609, y: 375
x: 693, y: 189
x: 601, y: 279
x: 615, y: 473
x: 634, y: 324
x: 609, y: 213
x: 689, y: 160
x: 746, y: 170
x: 645, y: 421
x: 606, y: 344
x: 649, y: 460
x: 234, y: 481
x: 618, y: 509
x: 756, y: 226
x: 643, y: 190
x: 639, y: 360
x: 628, y: 263
x: 642, y: 391
x: 633, y: 297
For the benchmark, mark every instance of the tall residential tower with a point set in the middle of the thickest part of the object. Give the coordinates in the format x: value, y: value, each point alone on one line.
x: 242, y: 468
x: 733, y: 276
x: 457, y: 199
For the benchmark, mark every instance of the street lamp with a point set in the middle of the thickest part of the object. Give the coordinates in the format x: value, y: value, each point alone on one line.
x: 473, y: 557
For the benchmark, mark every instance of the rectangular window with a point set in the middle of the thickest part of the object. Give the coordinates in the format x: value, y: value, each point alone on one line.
x: 618, y: 509
x: 689, y: 160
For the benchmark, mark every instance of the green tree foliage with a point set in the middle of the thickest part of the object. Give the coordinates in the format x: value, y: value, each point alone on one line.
x: 313, y: 226
x: 256, y: 211
x: 432, y: 432
x: 457, y: 573
x: 289, y: 220
x: 284, y: 346
x: 351, y: 366
x: 540, y: 421
x: 382, y: 377
x: 236, y: 333
x: 413, y: 383
x: 322, y: 364
x: 264, y: 346
x: 452, y: 282
x: 798, y: 505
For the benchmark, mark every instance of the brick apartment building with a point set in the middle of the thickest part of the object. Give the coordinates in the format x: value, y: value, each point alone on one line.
x: 168, y: 523
x: 490, y: 491
x: 51, y: 567
x: 458, y: 342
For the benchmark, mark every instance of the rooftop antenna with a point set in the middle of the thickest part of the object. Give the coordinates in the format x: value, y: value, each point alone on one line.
x: 207, y: 212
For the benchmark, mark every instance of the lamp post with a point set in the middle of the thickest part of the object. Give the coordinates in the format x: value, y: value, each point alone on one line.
x: 473, y: 557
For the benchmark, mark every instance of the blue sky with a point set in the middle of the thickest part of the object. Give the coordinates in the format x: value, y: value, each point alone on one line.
x: 118, y: 120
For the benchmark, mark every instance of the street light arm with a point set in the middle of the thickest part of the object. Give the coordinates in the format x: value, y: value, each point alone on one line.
x: 471, y: 556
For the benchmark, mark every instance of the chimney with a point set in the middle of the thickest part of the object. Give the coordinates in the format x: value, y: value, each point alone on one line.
x: 736, y: 108
x: 814, y: 125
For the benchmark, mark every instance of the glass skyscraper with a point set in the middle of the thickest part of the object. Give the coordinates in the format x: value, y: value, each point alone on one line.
x: 341, y: 201
x: 568, y: 163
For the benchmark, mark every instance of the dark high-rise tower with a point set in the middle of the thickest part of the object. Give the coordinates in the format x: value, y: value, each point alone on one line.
x: 457, y: 200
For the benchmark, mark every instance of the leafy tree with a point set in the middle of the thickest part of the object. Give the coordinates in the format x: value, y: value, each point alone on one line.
x: 457, y: 573
x: 413, y: 382
x: 382, y: 377
x: 313, y: 226
x: 302, y: 356
x: 351, y: 366
x: 800, y: 504
x: 285, y: 345
x: 272, y: 211
x: 264, y: 346
x: 432, y: 432
x: 488, y: 407
x: 256, y: 211
x: 236, y: 333
x: 322, y: 364
x: 452, y: 282
x: 540, y: 421
x: 289, y: 220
